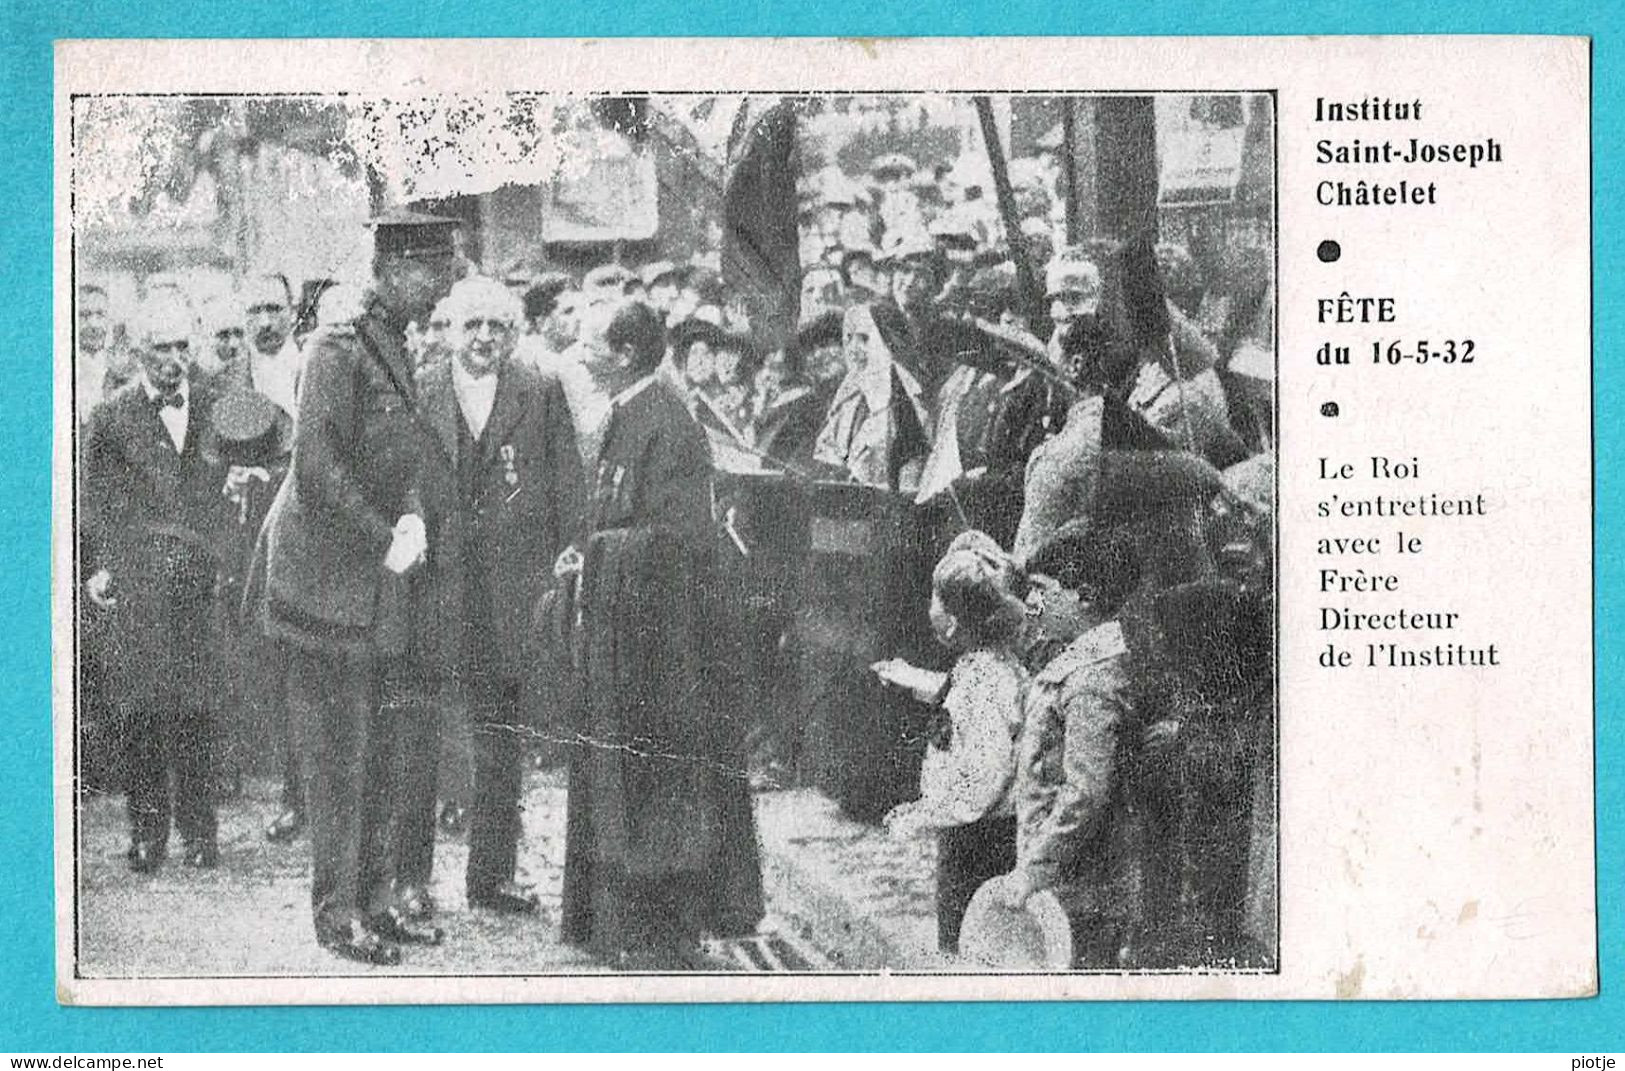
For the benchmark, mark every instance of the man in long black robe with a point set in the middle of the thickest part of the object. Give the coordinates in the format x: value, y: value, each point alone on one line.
x: 660, y: 845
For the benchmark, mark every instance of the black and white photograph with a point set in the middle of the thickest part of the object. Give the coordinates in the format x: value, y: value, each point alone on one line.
x: 524, y: 534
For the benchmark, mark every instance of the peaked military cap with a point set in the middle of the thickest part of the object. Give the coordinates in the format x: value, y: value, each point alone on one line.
x: 400, y: 232
x: 608, y: 277
x: 653, y: 273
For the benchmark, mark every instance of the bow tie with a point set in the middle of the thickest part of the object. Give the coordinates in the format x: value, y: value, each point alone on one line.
x: 173, y: 399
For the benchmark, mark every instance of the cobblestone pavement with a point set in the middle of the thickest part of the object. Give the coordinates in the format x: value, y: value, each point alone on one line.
x: 252, y: 915
x: 841, y: 894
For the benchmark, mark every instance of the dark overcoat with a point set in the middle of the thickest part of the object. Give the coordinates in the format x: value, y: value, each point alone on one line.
x: 501, y: 508
x: 658, y: 788
x: 156, y: 520
x: 359, y: 459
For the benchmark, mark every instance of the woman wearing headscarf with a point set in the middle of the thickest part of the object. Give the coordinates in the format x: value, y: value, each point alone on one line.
x: 879, y: 428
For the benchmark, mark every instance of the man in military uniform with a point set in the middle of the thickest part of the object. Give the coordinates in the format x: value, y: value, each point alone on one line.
x: 346, y: 528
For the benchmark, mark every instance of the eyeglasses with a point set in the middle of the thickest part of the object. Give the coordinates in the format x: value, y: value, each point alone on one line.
x: 178, y: 346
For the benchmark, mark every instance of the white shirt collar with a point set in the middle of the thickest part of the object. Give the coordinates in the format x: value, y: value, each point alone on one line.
x: 469, y: 384
x: 476, y: 395
x: 153, y: 392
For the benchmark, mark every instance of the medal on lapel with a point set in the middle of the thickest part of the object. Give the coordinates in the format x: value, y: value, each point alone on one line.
x: 509, y: 473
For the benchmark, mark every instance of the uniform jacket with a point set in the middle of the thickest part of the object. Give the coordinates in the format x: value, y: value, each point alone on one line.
x: 500, y: 509
x: 359, y: 459
x: 155, y: 519
x: 1068, y: 779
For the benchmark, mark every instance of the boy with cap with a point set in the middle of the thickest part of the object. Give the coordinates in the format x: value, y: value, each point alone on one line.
x: 1066, y: 789
x: 1085, y: 720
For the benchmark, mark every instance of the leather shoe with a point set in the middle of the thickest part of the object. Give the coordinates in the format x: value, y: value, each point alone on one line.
x: 453, y: 819
x: 362, y: 945
x: 205, y: 856
x: 414, y: 902
x: 285, y: 826
x: 392, y: 925
x: 509, y: 898
x: 145, y: 856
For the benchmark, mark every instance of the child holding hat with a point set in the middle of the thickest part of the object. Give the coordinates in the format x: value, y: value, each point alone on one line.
x: 970, y: 760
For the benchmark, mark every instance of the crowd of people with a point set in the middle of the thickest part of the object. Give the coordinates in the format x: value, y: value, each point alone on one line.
x: 512, y: 507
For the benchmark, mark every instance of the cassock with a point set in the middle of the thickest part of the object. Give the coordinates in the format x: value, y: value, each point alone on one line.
x: 661, y: 844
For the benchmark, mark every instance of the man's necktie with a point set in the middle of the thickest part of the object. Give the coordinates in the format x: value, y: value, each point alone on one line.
x: 171, y: 400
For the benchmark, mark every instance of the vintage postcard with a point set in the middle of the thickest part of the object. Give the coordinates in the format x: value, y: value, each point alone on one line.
x: 753, y: 520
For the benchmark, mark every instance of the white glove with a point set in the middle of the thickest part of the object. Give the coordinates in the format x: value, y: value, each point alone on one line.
x: 569, y: 563
x: 413, y: 525
x: 409, y: 547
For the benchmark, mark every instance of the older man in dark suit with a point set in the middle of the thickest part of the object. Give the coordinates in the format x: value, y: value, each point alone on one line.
x: 660, y: 843
x: 346, y: 527
x: 507, y: 501
x: 154, y: 531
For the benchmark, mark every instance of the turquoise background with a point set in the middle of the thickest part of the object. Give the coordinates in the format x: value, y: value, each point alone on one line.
x: 30, y: 1019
